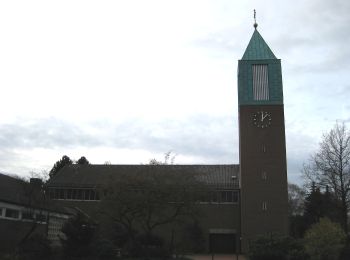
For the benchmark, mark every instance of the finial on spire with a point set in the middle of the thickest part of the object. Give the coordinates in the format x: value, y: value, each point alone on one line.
x: 255, y: 24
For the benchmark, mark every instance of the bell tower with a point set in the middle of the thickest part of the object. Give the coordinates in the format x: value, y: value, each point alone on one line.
x: 263, y: 169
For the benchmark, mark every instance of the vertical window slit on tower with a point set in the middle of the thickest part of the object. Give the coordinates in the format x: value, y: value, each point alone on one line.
x: 260, y: 82
x: 264, y: 206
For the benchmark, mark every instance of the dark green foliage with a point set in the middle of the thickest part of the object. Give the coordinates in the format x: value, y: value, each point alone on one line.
x: 83, y: 161
x: 59, y: 165
x: 274, y: 247
x: 296, y: 199
x: 36, y: 247
x: 297, y: 226
x: 270, y: 247
x: 79, y: 233
x: 296, y: 250
x: 345, y: 254
x: 319, y: 205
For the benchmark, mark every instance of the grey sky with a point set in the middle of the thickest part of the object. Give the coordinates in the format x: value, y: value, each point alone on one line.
x: 126, y: 81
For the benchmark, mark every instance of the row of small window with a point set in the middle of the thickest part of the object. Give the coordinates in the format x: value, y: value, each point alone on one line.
x: 73, y: 194
x: 220, y: 196
x: 22, y: 215
x: 225, y: 196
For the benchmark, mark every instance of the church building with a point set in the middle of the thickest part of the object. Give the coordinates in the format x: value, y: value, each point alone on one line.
x: 252, y: 196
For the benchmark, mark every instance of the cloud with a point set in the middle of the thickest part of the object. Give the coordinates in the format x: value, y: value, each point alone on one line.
x: 210, y: 139
x: 224, y: 41
x: 43, y: 133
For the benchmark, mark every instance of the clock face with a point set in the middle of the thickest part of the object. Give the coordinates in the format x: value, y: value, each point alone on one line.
x: 262, y: 119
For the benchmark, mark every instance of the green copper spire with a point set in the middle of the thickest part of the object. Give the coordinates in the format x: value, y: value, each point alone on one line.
x: 258, y: 49
x: 259, y: 74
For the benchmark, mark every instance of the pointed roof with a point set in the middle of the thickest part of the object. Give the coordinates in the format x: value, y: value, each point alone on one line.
x: 258, y: 49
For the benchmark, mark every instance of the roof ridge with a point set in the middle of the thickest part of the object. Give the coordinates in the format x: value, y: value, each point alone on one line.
x: 196, y: 164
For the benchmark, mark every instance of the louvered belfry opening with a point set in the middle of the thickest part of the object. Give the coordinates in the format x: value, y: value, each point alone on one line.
x: 260, y: 82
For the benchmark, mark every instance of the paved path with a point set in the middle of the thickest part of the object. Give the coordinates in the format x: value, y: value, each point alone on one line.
x: 217, y: 257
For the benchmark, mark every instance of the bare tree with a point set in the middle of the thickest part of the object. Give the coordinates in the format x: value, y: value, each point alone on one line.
x: 155, y: 196
x: 329, y: 167
x: 169, y: 158
x: 296, y: 196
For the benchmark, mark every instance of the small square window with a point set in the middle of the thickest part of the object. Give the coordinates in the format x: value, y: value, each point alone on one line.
x: 224, y: 196
x: 69, y: 194
x: 79, y: 194
x: 87, y: 195
x: 27, y: 215
x: 61, y: 194
x: 57, y: 193
x: 52, y: 193
x: 235, y: 196
x: 40, y: 217
x: 215, y: 196
x: 12, y: 213
x: 92, y: 195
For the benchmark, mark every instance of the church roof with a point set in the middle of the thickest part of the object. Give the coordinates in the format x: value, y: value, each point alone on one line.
x: 220, y: 176
x: 258, y: 49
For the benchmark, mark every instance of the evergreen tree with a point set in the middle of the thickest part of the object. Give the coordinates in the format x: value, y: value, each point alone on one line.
x: 83, y: 161
x: 59, y: 165
x: 319, y: 205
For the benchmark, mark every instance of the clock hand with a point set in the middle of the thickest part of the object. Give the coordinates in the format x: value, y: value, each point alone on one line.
x: 263, y: 116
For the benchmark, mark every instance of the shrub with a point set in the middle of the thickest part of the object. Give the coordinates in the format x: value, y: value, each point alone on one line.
x: 150, y: 245
x: 324, y: 240
x: 35, y: 248
x: 269, y: 247
x: 105, y: 249
x: 79, y: 233
x: 275, y: 247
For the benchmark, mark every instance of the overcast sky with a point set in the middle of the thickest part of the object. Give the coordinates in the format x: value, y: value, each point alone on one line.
x: 127, y: 81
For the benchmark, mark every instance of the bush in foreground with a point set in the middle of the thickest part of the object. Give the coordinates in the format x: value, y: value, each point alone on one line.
x: 275, y: 247
x: 324, y: 240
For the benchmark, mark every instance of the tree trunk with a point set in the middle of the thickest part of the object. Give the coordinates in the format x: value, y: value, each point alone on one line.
x: 345, y: 214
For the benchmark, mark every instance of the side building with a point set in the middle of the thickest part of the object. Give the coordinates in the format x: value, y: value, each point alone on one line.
x: 25, y: 211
